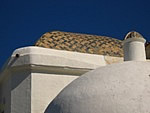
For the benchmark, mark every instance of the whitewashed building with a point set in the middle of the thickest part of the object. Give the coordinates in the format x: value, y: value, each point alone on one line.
x: 33, y: 76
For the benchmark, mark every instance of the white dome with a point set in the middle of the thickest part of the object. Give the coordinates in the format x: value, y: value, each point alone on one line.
x: 117, y: 88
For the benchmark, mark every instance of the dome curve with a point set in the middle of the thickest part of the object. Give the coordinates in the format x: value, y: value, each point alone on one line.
x: 117, y: 88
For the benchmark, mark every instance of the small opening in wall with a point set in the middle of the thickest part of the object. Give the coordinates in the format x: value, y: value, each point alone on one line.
x: 17, y: 55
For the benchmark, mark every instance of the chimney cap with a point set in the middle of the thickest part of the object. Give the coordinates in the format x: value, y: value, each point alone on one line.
x: 133, y: 34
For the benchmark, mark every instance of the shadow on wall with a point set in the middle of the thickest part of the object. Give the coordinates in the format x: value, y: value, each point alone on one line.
x: 53, y: 108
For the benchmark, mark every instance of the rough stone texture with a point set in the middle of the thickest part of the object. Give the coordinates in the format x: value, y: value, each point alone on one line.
x: 84, y: 43
x: 116, y: 88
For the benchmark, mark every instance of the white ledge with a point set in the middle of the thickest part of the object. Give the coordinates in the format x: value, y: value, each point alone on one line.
x: 50, y: 57
x: 33, y: 57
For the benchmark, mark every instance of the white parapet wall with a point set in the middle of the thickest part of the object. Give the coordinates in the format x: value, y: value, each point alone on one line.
x: 33, y: 76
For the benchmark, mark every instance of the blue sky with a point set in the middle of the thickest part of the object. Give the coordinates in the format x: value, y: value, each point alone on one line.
x: 22, y: 22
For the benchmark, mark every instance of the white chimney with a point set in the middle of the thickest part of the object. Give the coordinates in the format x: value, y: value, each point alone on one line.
x: 134, y: 47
